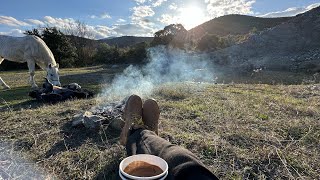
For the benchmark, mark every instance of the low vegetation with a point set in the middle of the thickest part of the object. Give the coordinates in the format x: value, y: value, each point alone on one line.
x: 239, y: 131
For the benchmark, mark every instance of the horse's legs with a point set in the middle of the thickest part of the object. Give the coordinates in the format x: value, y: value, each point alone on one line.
x: 2, y: 83
x: 31, y: 66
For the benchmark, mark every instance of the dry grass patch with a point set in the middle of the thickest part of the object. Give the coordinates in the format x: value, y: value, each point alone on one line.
x: 248, y: 131
x: 46, y: 135
x: 239, y: 131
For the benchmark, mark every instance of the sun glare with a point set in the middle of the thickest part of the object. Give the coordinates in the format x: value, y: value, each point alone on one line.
x: 191, y: 17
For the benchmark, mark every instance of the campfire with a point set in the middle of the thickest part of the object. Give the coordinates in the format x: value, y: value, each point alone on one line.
x: 110, y: 114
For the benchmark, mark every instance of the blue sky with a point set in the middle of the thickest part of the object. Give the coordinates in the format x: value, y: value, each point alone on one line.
x: 109, y: 18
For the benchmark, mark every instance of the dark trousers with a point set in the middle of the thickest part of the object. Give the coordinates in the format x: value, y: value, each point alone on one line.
x: 182, y: 163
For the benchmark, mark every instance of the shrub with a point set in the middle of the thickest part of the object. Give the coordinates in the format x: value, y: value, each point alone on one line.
x: 107, y: 54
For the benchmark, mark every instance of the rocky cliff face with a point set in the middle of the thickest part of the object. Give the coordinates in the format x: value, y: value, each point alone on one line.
x: 293, y: 45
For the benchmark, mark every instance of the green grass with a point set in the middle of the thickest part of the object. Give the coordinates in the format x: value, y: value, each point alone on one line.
x: 239, y: 131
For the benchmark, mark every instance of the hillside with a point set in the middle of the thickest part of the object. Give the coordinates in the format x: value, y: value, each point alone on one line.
x: 125, y: 41
x: 291, y: 46
x: 235, y: 25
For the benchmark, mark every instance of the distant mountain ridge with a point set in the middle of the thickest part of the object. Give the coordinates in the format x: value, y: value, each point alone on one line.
x: 125, y: 41
x: 235, y: 25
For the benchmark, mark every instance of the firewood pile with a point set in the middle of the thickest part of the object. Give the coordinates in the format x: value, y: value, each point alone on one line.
x: 53, y: 94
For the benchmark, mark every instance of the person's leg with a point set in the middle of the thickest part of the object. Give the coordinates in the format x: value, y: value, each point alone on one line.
x: 182, y: 163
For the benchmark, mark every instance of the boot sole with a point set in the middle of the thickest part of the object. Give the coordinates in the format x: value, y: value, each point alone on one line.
x: 151, y: 114
x: 132, y: 111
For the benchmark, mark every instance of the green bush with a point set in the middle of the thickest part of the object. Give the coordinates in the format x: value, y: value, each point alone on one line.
x: 107, y: 54
x: 137, y: 54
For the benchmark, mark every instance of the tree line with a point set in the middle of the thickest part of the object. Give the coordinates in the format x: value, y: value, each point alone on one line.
x: 77, y: 50
x: 73, y: 46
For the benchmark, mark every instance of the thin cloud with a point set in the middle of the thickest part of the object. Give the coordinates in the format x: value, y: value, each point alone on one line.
x: 11, y: 21
x: 313, y: 6
x: 102, y: 16
x: 102, y: 31
x: 291, y: 11
x: 140, y: 1
x: 158, y: 3
x: 168, y: 19
x: 121, y: 20
x: 130, y: 29
x: 105, y: 16
x: 13, y: 32
x: 217, y: 8
x: 59, y: 22
x: 140, y: 13
x: 134, y: 30
x: 173, y: 6
x: 36, y: 22
x: 153, y: 3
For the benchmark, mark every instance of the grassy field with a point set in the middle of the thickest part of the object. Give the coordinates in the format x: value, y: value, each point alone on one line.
x: 240, y: 131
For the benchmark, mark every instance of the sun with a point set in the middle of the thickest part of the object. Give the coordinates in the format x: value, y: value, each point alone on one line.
x: 191, y: 17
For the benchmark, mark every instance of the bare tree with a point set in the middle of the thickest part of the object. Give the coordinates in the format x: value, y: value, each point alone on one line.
x: 79, y: 29
x: 81, y: 37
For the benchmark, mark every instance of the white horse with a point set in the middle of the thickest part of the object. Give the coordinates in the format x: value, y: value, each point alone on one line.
x: 30, y: 49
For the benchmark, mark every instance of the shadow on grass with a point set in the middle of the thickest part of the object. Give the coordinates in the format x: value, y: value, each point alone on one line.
x: 17, y: 98
x: 74, y: 137
x: 98, y: 77
x: 30, y: 104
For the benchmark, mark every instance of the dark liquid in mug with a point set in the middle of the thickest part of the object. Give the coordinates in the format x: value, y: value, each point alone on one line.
x: 142, y: 169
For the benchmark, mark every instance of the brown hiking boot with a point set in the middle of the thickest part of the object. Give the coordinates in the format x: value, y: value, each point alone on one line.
x: 150, y: 115
x: 132, y: 113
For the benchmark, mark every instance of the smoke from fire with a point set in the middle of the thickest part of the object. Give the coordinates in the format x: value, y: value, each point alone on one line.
x: 164, y: 65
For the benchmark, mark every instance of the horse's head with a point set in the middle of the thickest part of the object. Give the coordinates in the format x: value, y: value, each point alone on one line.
x: 53, y: 75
